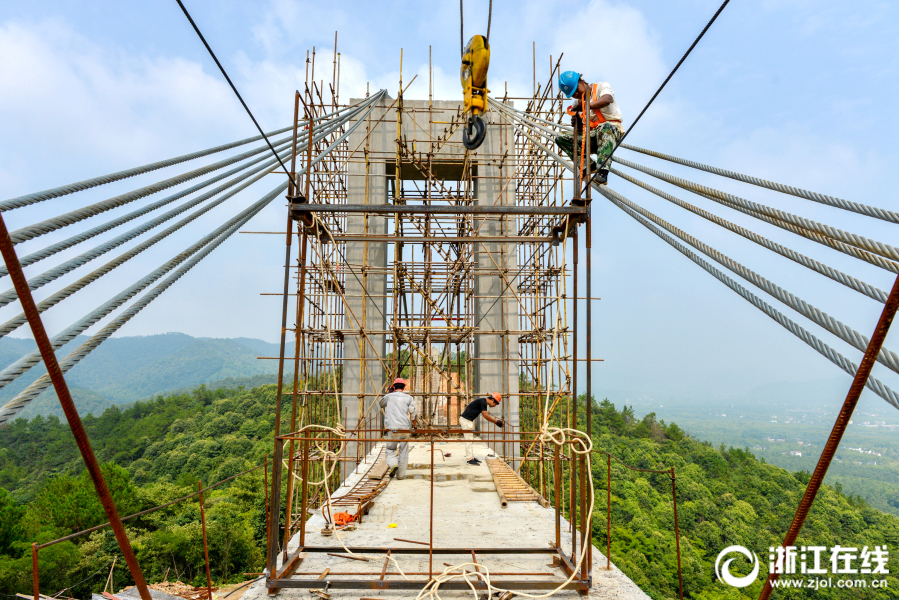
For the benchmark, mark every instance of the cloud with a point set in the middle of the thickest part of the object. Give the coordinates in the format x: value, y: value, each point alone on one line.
x: 63, y: 90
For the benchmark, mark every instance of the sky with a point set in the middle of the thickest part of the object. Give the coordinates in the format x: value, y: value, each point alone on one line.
x: 796, y: 91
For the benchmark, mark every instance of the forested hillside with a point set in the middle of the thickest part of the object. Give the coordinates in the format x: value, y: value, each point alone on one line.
x: 126, y: 369
x: 157, y: 450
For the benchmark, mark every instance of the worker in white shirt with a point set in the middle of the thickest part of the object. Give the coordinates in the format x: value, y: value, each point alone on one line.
x: 399, y: 411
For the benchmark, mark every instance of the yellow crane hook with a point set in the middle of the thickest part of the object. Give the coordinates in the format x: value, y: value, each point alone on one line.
x: 475, y: 62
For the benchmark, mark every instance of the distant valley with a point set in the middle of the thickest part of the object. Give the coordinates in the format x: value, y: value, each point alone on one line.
x: 126, y: 369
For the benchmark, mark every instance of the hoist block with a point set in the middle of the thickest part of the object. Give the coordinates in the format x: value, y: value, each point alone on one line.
x: 475, y: 62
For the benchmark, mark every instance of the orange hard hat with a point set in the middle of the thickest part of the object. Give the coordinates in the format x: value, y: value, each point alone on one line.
x: 497, y: 396
x: 399, y: 381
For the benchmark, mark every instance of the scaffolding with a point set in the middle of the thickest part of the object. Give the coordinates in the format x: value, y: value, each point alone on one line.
x: 409, y: 256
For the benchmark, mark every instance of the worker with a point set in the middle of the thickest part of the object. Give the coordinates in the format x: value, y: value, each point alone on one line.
x: 399, y: 410
x: 605, y: 122
x: 469, y: 416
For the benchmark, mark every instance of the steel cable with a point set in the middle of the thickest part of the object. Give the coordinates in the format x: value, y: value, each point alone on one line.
x: 862, y: 209
x: 233, y: 87
x: 829, y: 353
x: 74, y: 240
x: 71, y: 188
x: 25, y: 363
x: 19, y: 320
x: 858, y: 241
x: 879, y: 388
x: 60, y: 270
x: 664, y: 83
x: 838, y: 276
x: 845, y: 333
x: 46, y: 226
x: 11, y: 408
x: 85, y: 235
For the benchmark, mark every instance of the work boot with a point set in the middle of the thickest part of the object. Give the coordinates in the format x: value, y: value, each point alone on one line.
x: 393, y: 471
x: 588, y: 171
x: 473, y: 462
x: 602, y: 178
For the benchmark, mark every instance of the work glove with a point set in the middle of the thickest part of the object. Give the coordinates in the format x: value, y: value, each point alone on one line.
x: 500, y: 423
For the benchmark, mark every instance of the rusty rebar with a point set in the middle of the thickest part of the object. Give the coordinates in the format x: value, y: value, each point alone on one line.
x: 68, y: 406
x: 35, y: 576
x: 609, y: 513
x: 839, y: 427
x: 268, y: 528
x: 680, y: 578
x: 205, y: 544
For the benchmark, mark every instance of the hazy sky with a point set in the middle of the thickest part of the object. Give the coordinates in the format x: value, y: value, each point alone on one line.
x: 800, y: 92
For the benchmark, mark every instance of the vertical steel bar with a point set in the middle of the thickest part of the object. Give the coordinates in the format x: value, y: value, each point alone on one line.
x: 609, y: 512
x: 35, y: 575
x: 680, y: 578
x: 572, y: 468
x: 839, y: 427
x: 305, y: 492
x: 293, y: 411
x: 431, y: 522
x: 582, y: 482
x: 205, y: 543
x: 278, y: 452
x: 268, y: 525
x: 557, y: 485
x: 68, y: 406
x: 589, y: 323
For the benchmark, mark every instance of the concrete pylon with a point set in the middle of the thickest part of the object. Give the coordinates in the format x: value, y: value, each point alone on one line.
x: 363, y: 375
x: 495, y: 308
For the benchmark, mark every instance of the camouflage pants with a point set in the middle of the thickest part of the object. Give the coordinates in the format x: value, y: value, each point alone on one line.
x: 602, y: 141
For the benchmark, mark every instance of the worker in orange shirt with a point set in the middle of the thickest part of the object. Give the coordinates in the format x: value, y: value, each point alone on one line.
x: 605, y: 122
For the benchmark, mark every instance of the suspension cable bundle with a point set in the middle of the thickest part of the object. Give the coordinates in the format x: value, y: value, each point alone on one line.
x: 247, y: 168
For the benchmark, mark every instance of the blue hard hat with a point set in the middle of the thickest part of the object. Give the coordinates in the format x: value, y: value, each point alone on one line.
x: 568, y: 82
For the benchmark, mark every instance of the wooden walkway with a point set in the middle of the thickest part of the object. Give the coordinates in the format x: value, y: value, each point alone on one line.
x: 510, y: 487
x: 361, y: 496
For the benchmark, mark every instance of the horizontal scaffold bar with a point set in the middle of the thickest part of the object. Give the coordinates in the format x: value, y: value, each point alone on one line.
x: 409, y: 209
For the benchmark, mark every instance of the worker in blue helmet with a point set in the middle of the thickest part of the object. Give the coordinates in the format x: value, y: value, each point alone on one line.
x: 605, y: 121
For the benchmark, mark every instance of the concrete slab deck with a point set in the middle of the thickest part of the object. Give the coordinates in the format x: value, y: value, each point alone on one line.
x: 467, y: 514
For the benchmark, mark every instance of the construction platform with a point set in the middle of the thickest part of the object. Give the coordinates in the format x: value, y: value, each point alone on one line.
x: 466, y: 514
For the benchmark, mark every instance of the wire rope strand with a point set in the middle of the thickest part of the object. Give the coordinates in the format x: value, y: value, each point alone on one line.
x: 832, y: 355
x: 838, y: 276
x: 845, y: 333
x: 461, y: 30
x: 17, y: 321
x: 852, y: 239
x: 228, y: 79
x: 25, y: 363
x: 862, y: 209
x: 11, y: 408
x: 22, y: 365
x: 48, y: 225
x: 664, y: 83
x: 78, y: 238
x: 60, y: 270
x: 879, y: 388
x: 52, y: 249
x: 71, y: 188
